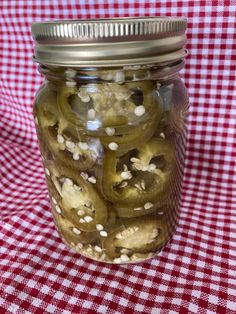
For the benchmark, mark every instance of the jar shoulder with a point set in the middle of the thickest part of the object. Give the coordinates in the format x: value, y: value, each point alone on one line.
x: 45, y: 97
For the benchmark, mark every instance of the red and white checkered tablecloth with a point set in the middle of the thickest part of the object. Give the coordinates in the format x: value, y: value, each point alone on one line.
x: 196, y: 272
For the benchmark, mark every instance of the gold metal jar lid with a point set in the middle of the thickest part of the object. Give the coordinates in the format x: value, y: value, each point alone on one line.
x: 110, y: 42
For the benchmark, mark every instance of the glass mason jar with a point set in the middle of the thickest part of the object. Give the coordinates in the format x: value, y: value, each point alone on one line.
x: 111, y: 123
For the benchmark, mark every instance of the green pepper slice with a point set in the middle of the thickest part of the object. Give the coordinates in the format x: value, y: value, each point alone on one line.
x: 144, y: 127
x: 136, y: 236
x: 53, y: 128
x: 64, y: 93
x: 66, y: 228
x: 156, y: 180
x: 130, y: 212
x: 45, y: 108
x: 126, y: 135
x: 71, y: 233
x: 128, y: 141
x: 85, y: 158
x: 80, y: 202
x: 47, y: 113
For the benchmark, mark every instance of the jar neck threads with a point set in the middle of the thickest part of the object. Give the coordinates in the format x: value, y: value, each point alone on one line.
x: 111, y: 75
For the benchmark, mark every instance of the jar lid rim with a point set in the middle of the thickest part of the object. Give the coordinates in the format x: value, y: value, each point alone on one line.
x: 107, y: 39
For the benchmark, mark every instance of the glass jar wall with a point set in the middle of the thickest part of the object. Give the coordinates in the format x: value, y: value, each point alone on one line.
x: 113, y: 145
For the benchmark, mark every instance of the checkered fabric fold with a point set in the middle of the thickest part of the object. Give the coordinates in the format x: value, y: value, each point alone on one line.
x: 196, y: 271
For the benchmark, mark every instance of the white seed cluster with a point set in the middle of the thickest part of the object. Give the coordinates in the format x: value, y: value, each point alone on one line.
x: 76, y: 230
x: 76, y: 156
x: 151, y: 167
x: 92, y: 180
x: 110, y: 131
x: 91, y: 114
x: 141, y: 166
x: 146, y: 206
x: 134, y: 160
x: 113, y: 146
x: 54, y: 201
x: 58, y: 209
x: 123, y: 184
x: 60, y: 139
x: 98, y: 248
x: 70, y: 144
x: 140, y: 186
x: 125, y: 167
x: 153, y: 235
x: 119, y: 236
x: 124, y: 258
x: 139, y: 110
x: 80, y: 212
x: 77, y: 188
x: 126, y: 175
x: 77, y: 149
x: 88, y: 204
x: 103, y: 233
x: 86, y: 177
x: 94, y: 252
x: 88, y: 219
x: 125, y: 251
x: 99, y: 227
x: 68, y: 181
x: 79, y: 246
x: 83, y: 95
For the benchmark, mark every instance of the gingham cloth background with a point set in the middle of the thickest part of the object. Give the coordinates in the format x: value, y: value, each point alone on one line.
x: 196, y: 272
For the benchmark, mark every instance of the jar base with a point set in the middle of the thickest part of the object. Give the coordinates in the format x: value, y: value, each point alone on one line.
x: 92, y: 253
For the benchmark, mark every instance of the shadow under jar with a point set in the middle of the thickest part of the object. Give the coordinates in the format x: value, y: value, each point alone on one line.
x: 111, y: 122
